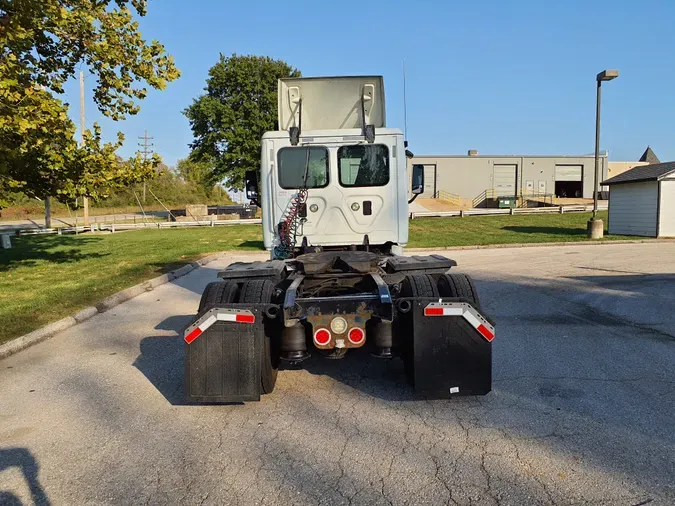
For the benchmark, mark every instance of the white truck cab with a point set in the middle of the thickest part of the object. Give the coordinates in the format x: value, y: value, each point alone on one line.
x: 333, y: 143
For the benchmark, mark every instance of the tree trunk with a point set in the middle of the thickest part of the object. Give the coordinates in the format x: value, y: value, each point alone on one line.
x: 48, y: 213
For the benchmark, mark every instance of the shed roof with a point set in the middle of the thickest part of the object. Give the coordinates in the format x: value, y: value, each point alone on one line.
x: 642, y: 173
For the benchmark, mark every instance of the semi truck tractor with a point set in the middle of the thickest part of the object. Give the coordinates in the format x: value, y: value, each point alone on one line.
x: 333, y: 187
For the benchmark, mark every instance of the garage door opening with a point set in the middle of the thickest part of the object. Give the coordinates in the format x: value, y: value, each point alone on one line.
x: 429, y: 181
x: 569, y: 181
x: 504, y: 182
x: 569, y: 189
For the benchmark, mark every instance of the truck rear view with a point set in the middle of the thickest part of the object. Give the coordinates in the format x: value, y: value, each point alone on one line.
x: 333, y: 187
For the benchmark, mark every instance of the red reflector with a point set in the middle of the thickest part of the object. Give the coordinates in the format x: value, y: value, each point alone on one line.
x: 433, y: 311
x: 356, y: 335
x: 245, y: 318
x: 322, y: 337
x: 193, y: 335
x: 485, y: 332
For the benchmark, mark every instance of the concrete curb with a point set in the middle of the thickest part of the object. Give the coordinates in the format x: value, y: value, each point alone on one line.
x: 36, y: 336
x: 540, y: 245
x: 39, y: 335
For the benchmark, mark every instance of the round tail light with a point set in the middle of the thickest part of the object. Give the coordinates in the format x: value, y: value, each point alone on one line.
x: 356, y: 335
x: 322, y: 337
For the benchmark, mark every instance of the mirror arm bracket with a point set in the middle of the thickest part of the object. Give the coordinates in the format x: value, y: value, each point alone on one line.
x: 294, y: 131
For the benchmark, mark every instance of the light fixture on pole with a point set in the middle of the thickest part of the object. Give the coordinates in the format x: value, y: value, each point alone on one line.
x: 595, y: 227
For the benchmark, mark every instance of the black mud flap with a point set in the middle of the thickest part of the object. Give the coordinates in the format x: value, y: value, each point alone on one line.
x: 223, y: 350
x: 451, y: 349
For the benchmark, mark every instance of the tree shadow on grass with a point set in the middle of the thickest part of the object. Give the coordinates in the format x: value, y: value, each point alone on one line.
x: 547, y: 230
x: 27, y: 251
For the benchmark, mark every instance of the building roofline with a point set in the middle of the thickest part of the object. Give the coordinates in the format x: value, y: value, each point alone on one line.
x: 629, y: 181
x: 602, y: 155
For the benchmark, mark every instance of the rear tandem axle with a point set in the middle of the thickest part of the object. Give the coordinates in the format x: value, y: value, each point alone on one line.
x: 407, y: 307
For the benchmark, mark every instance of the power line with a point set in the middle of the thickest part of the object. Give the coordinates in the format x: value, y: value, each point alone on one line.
x: 146, y: 152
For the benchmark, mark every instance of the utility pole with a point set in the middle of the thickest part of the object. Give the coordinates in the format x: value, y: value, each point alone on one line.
x: 85, y: 200
x: 146, y: 152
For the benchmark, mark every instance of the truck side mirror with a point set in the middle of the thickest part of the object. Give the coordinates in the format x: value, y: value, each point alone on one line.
x: 251, y: 182
x: 418, y: 179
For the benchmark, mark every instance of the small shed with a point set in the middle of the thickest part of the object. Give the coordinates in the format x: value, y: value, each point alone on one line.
x: 642, y: 201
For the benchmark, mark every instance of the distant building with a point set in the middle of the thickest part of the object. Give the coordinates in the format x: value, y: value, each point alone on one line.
x: 476, y: 180
x: 616, y: 168
x: 649, y: 156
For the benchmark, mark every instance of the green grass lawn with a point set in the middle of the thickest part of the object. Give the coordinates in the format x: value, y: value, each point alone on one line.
x: 502, y: 229
x: 45, y: 278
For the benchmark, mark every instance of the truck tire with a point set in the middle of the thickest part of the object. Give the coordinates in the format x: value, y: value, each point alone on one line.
x: 218, y: 292
x: 459, y: 286
x: 261, y: 291
x: 419, y: 285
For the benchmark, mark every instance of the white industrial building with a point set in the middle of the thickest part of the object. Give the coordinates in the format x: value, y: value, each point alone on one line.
x: 642, y: 201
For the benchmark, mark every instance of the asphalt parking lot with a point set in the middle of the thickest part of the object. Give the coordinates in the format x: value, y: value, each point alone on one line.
x: 582, y: 409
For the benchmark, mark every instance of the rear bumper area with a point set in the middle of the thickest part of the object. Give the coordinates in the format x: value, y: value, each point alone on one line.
x: 446, y: 346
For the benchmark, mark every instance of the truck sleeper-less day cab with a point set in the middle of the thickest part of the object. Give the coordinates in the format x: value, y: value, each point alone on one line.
x: 333, y: 188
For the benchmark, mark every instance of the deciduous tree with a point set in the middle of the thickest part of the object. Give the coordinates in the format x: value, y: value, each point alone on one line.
x: 201, y: 173
x: 238, y: 106
x: 43, y: 43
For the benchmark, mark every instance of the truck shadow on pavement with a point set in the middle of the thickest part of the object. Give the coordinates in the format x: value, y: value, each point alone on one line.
x: 161, y: 358
x: 24, y: 460
x: 161, y: 362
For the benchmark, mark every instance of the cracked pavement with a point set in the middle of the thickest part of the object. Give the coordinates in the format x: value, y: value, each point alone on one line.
x: 581, y: 410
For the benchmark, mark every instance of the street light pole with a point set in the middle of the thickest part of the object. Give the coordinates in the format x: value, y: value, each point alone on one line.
x: 596, y: 187
x: 595, y: 227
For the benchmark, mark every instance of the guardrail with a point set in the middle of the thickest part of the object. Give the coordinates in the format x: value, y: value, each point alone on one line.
x: 523, y: 210
x: 526, y: 197
x: 450, y: 198
x: 487, y: 194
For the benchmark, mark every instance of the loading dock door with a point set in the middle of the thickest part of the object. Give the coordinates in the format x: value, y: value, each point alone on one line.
x: 569, y: 181
x: 504, y: 180
x: 429, y: 181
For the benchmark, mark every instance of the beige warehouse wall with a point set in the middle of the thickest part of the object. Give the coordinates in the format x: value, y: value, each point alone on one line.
x: 616, y: 168
x: 469, y: 176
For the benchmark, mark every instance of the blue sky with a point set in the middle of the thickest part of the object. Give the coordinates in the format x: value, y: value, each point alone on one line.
x: 502, y: 77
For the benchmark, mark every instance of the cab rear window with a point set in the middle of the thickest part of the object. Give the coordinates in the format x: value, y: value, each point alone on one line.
x: 297, y: 163
x: 363, y: 165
